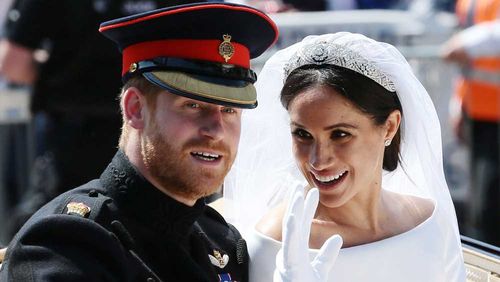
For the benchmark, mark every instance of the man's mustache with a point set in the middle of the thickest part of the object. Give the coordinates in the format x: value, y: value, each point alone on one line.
x: 219, y: 146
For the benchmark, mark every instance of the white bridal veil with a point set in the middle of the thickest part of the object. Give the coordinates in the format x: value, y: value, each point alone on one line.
x: 265, y: 170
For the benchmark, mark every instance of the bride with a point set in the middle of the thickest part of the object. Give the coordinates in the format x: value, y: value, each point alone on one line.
x: 355, y: 124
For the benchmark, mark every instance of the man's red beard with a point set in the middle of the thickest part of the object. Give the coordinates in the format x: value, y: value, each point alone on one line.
x: 173, y: 169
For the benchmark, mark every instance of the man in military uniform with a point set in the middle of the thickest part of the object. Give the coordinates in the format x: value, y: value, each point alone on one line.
x: 187, y: 79
x: 69, y: 109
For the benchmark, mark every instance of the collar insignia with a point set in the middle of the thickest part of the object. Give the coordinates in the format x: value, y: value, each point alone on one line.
x: 226, y: 48
x: 77, y: 208
x: 218, y: 259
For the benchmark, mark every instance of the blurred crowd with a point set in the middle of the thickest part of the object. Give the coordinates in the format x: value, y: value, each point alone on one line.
x: 278, y: 6
x: 52, y: 49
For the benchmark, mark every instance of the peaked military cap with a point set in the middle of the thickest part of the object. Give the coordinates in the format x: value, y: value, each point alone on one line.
x: 201, y: 51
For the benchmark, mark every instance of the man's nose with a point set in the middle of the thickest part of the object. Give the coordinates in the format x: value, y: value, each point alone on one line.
x: 213, y: 125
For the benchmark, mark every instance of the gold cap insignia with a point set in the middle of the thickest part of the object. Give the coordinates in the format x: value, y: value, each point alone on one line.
x: 80, y: 209
x: 218, y: 259
x: 132, y: 67
x: 226, y: 48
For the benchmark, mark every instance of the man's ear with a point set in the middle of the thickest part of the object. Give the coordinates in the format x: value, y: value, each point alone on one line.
x: 133, y: 104
x: 392, y: 123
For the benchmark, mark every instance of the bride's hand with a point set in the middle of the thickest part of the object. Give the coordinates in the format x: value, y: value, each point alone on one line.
x: 292, y: 261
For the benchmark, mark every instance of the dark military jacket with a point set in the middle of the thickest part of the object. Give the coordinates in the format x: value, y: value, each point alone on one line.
x: 121, y: 228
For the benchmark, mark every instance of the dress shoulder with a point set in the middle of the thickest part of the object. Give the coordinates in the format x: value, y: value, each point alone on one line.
x: 270, y: 224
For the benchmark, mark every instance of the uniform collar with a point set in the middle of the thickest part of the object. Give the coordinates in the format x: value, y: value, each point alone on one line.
x: 144, y: 202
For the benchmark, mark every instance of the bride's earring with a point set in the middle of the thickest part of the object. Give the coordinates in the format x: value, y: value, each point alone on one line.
x: 387, y: 142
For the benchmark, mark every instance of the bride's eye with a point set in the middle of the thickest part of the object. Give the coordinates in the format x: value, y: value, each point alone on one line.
x: 339, y: 134
x: 300, y: 133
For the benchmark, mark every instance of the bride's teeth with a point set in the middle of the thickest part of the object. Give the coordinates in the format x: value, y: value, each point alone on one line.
x: 329, y: 178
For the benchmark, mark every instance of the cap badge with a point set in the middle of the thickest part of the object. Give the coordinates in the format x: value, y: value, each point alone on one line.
x: 80, y: 209
x: 133, y: 67
x: 218, y: 259
x: 226, y: 48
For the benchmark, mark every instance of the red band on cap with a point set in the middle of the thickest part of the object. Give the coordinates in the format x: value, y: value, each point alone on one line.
x: 206, y: 50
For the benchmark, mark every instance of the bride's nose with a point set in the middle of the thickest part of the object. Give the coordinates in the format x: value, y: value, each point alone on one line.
x: 321, y: 156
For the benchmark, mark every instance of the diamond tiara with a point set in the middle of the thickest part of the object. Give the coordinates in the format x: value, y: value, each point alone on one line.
x: 325, y: 53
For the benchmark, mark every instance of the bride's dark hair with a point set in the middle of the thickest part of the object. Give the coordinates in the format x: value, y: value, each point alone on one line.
x: 370, y: 97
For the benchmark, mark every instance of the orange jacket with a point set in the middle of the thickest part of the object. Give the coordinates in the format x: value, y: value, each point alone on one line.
x: 479, y: 86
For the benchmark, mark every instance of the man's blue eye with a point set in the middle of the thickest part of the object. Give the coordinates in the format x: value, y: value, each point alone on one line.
x: 193, y: 105
x: 228, y: 110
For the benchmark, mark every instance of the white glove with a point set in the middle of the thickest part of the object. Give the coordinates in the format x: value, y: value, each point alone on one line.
x: 292, y: 260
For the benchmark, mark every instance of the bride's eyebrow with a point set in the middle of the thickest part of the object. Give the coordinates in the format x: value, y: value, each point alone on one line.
x: 341, y: 124
x: 330, y: 127
x: 296, y: 124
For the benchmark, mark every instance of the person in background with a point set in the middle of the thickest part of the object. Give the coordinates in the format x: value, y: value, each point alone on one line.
x: 475, y: 112
x: 480, y: 40
x: 54, y: 47
x: 12, y: 140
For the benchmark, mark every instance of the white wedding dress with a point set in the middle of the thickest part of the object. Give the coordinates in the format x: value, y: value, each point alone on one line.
x: 404, y: 257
